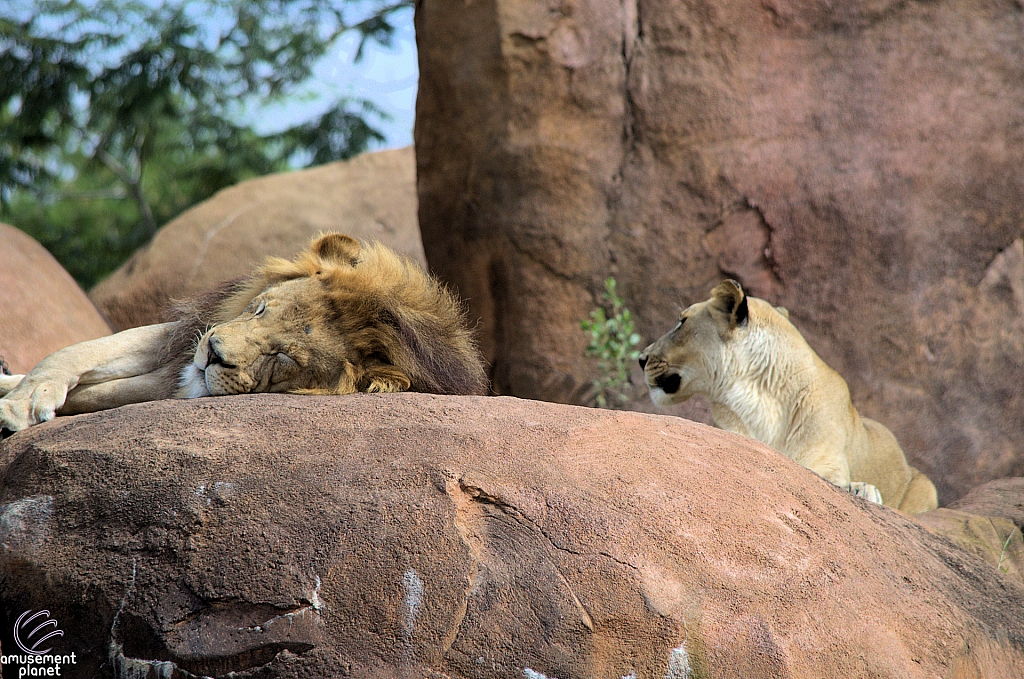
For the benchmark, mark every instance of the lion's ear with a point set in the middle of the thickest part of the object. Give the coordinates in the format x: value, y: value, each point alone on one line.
x: 783, y: 311
x: 337, y: 247
x: 728, y: 298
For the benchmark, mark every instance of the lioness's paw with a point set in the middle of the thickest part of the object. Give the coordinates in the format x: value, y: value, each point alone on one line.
x: 864, y: 490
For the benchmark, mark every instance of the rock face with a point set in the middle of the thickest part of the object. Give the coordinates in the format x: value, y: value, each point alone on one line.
x: 42, y: 309
x: 988, y: 522
x: 1003, y: 498
x: 856, y: 162
x: 371, y: 197
x: 408, y: 535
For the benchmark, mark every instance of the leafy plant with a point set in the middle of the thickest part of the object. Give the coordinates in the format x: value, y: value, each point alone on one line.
x: 613, y: 342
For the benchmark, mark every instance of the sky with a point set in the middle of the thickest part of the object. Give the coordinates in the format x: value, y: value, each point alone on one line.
x: 387, y: 77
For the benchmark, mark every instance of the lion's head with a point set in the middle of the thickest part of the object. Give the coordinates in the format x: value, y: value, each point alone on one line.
x: 340, y: 318
x: 694, y: 356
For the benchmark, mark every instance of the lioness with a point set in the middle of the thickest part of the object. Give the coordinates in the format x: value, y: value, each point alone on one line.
x: 764, y: 381
x: 340, y: 318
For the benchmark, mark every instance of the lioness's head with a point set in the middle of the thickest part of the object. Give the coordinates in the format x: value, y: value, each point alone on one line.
x: 339, y: 319
x: 692, y: 357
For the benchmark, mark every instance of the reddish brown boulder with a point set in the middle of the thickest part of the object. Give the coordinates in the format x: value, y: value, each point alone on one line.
x: 371, y: 197
x: 1003, y: 498
x: 409, y: 535
x: 42, y: 309
x: 995, y: 539
x: 988, y: 522
x: 856, y: 162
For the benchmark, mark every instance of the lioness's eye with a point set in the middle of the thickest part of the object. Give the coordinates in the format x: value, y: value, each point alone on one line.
x: 260, y: 308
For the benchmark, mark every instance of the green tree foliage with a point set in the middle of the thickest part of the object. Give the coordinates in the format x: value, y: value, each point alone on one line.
x: 613, y: 341
x: 116, y: 115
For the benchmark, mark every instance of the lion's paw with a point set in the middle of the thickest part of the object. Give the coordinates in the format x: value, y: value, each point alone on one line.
x: 864, y: 490
x: 29, y: 404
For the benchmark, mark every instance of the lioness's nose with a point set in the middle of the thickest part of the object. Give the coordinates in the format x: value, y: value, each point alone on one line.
x: 643, y: 361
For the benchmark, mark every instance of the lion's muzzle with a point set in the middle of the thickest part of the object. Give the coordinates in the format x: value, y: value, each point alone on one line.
x: 215, y: 354
x: 217, y: 370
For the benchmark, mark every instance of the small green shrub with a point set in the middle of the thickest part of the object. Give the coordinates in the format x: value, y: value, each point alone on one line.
x: 612, y: 342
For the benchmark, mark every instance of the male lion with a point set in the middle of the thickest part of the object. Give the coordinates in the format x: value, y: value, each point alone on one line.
x: 338, y: 319
x: 764, y: 381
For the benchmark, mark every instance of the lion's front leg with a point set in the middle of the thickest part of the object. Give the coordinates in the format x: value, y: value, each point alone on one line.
x: 41, y: 393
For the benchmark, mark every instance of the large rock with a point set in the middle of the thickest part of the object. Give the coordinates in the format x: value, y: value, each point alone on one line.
x: 409, y: 535
x: 371, y: 197
x: 42, y: 309
x: 857, y: 162
x: 988, y: 522
x: 1003, y: 498
x: 994, y: 539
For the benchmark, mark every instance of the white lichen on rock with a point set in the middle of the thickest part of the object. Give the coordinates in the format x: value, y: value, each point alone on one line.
x: 413, y: 598
x: 24, y: 523
x: 679, y: 663
x: 134, y: 668
x: 533, y: 674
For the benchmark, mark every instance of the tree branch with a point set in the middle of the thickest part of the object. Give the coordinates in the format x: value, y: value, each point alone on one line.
x: 134, y: 186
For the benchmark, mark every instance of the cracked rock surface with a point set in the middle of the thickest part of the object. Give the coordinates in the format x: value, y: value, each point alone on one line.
x: 856, y: 162
x: 409, y: 535
x: 371, y: 197
x: 42, y: 309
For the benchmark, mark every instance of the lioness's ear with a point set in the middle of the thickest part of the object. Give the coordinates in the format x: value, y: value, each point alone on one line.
x: 784, y: 311
x: 728, y: 298
x: 337, y: 247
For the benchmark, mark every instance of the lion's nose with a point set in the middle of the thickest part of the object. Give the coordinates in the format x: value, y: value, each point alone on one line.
x: 643, y: 361
x: 216, y: 354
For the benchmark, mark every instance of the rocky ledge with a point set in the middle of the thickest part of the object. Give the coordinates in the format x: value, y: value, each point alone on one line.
x: 413, y: 535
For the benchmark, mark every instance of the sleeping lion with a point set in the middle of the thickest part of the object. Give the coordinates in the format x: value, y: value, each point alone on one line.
x: 338, y: 319
x: 764, y: 381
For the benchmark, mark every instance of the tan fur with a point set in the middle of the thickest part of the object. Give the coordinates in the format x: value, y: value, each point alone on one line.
x: 338, y: 319
x: 764, y: 381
